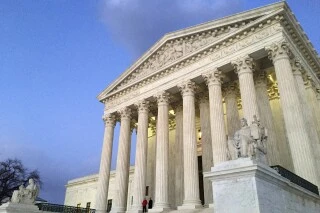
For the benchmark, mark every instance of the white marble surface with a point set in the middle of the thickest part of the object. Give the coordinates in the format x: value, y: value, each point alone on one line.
x: 244, y: 185
x: 18, y: 208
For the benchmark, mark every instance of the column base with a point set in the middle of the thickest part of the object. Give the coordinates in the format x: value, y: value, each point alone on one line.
x: 160, y: 208
x: 211, y: 205
x: 118, y: 210
x: 101, y: 211
x: 134, y: 211
x: 190, y: 206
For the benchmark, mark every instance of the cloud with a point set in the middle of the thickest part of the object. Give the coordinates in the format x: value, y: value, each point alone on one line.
x: 137, y: 24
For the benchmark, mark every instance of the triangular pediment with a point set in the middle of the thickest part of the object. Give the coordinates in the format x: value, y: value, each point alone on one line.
x: 185, y: 43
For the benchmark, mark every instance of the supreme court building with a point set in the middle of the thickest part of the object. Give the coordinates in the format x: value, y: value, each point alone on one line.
x: 185, y: 97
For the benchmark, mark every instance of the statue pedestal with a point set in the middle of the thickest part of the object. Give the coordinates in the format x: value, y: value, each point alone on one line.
x: 18, y: 208
x: 245, y: 185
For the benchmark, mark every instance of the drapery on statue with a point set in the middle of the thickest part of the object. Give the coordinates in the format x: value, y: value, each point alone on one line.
x: 249, y: 141
x: 26, y: 195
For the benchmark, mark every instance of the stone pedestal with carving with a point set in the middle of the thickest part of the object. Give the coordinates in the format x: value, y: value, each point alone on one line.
x: 244, y: 185
x: 18, y: 208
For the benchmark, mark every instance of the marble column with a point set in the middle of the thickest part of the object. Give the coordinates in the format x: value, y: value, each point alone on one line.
x: 267, y: 121
x: 293, y: 115
x: 244, y: 67
x: 105, y: 164
x: 232, y: 113
x: 162, y: 154
x: 123, y: 164
x: 206, y: 145
x: 179, y: 183
x: 218, y: 132
x: 311, y: 100
x: 140, y: 170
x: 190, y: 159
x: 308, y: 112
x: 277, y: 114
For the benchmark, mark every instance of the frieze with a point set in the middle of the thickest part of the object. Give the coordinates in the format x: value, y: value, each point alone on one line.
x: 175, y: 49
x: 217, y: 51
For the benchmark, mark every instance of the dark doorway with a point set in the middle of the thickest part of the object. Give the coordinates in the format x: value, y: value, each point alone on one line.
x: 201, y: 191
x: 109, y: 205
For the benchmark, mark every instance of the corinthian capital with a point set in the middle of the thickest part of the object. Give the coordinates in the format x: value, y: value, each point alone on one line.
x: 243, y: 65
x: 143, y: 106
x: 309, y: 82
x: 296, y: 66
x: 214, y: 77
x: 187, y: 87
x: 125, y: 113
x: 231, y: 89
x: 261, y: 79
x: 163, y: 97
x: 203, y: 97
x: 278, y: 50
x: 109, y: 119
x: 318, y: 93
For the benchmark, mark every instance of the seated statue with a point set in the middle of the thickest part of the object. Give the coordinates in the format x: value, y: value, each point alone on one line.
x: 249, y: 141
x: 26, y: 195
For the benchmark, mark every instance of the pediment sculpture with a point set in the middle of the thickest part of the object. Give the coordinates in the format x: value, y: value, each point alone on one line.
x: 249, y: 141
x: 26, y: 195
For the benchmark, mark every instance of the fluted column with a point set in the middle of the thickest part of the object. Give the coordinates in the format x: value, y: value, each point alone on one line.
x: 277, y: 114
x: 179, y: 183
x: 122, y: 170
x: 244, y: 67
x: 162, y: 154
x: 206, y: 145
x: 308, y: 113
x: 218, y: 133
x: 232, y: 113
x: 311, y: 100
x: 266, y: 118
x: 105, y: 164
x: 293, y: 114
x: 140, y: 168
x: 190, y: 159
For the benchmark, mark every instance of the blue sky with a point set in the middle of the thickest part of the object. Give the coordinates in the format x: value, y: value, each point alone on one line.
x: 57, y: 55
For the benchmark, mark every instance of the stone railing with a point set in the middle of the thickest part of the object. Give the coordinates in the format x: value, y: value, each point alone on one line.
x: 48, y: 207
x: 296, y: 179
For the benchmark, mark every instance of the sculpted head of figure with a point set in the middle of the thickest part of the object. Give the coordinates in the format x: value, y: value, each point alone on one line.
x: 31, y: 181
x: 244, y: 122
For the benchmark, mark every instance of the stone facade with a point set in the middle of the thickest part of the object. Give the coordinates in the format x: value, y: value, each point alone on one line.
x: 244, y: 65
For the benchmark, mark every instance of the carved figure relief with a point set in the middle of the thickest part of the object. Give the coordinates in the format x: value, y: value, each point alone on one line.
x: 26, y: 195
x: 249, y: 141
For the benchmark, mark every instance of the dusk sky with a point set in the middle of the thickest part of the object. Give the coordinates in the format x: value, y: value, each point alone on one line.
x: 56, y: 56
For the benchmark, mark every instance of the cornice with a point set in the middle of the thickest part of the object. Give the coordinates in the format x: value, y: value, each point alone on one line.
x: 225, y: 44
x: 301, y: 41
x: 215, y: 25
x: 281, y: 19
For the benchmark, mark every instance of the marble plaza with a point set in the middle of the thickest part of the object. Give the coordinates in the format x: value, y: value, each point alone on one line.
x: 185, y: 97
